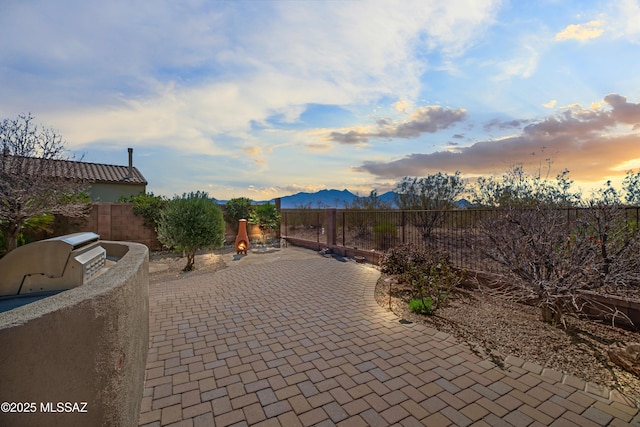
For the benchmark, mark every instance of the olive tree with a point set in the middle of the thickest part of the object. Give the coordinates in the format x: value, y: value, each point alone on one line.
x: 190, y: 223
x: 37, y: 176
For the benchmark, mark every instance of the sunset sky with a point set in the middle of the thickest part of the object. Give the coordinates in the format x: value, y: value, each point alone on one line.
x: 268, y: 98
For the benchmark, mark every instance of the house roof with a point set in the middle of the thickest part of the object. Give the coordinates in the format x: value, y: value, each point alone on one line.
x: 98, y: 172
x: 93, y: 172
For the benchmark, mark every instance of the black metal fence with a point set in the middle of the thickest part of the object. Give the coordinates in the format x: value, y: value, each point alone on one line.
x: 458, y: 232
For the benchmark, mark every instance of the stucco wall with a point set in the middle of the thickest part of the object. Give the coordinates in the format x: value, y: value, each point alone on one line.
x: 103, y: 192
x: 88, y: 344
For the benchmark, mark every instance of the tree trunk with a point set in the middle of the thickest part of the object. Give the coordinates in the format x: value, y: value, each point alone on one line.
x: 190, y: 261
x: 551, y: 314
x: 12, y: 232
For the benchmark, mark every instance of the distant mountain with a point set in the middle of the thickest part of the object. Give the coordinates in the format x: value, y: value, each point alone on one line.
x: 320, y: 199
x: 464, y: 204
x: 334, y: 199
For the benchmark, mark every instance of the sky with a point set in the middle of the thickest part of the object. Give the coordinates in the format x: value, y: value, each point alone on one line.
x: 264, y: 99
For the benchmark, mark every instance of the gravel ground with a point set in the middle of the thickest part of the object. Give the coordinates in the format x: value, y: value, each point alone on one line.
x: 495, y: 328
x: 166, y: 265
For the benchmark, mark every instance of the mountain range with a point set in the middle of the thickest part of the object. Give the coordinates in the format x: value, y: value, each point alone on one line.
x: 333, y: 199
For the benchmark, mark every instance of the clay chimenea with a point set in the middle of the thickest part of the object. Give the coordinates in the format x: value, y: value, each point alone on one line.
x: 242, y: 239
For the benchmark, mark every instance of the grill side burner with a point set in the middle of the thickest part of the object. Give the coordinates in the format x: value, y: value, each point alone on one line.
x: 55, y: 264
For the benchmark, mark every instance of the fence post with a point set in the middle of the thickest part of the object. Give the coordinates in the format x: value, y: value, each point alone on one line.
x: 319, y: 226
x: 344, y: 227
x: 279, y: 209
x: 331, y: 227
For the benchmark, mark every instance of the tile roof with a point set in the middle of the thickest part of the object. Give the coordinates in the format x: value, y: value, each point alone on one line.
x: 94, y: 172
x: 107, y: 173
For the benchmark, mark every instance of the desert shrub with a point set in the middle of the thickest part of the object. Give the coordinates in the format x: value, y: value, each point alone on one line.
x: 552, y: 256
x: 420, y: 306
x: 384, y: 234
x: 395, y: 260
x: 429, y: 272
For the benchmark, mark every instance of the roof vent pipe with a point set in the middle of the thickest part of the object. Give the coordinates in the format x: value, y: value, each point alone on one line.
x: 130, y: 162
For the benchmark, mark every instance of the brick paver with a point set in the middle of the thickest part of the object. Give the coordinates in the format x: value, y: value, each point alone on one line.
x: 293, y: 338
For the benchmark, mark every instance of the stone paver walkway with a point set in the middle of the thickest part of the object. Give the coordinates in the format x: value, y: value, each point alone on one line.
x: 292, y: 338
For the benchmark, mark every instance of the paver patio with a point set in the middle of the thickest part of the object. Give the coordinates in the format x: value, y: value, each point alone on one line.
x: 291, y: 338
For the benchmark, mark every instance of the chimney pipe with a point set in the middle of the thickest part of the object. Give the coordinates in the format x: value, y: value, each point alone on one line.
x: 130, y: 162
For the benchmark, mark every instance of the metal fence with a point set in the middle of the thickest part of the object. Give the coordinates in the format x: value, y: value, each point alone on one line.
x: 459, y: 232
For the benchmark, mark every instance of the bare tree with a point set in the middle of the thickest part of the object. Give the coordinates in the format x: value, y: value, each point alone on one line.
x: 36, y: 176
x: 429, y: 196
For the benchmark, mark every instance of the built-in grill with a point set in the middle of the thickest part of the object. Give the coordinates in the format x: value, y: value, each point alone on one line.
x: 51, y: 265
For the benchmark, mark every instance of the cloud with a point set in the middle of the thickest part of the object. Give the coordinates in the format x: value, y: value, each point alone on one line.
x: 274, y: 191
x: 318, y: 146
x: 626, y: 20
x: 550, y: 104
x: 581, y: 32
x: 350, y: 137
x: 577, y: 137
x: 524, y: 61
x: 256, y: 153
x: 428, y: 119
x: 402, y: 105
x: 199, y: 74
x: 623, y: 111
x: 502, y: 124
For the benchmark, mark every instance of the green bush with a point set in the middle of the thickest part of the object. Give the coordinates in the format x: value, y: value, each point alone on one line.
x: 429, y: 272
x: 237, y: 209
x: 267, y: 218
x: 148, y: 207
x: 384, y: 235
x: 421, y: 306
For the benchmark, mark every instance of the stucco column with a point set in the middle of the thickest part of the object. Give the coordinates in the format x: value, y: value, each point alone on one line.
x: 331, y: 227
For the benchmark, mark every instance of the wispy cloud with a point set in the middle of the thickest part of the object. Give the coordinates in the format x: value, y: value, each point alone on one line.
x: 504, y: 124
x: 581, y: 32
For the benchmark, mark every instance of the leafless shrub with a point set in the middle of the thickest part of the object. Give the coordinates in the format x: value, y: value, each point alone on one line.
x: 556, y: 256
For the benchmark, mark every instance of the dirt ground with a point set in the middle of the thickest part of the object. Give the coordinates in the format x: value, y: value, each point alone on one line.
x: 167, y: 265
x: 495, y: 328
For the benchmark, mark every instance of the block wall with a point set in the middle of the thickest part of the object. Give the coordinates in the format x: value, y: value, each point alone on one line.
x: 116, y: 221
